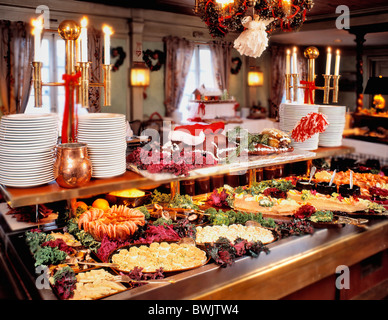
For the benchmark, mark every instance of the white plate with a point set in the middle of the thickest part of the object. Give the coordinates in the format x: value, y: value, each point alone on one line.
x: 103, y: 142
x: 30, y: 163
x: 102, y: 136
x: 21, y: 143
x: 114, y: 148
x: 108, y: 175
x: 101, y: 115
x: 101, y: 154
x: 24, y: 179
x: 27, y: 117
x: 26, y: 175
x: 25, y: 184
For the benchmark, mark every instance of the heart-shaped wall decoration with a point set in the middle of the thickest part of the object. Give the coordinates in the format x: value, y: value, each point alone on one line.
x: 157, y: 55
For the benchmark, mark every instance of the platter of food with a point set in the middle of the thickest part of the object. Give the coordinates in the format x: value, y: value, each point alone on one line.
x: 170, y: 256
x: 210, y: 234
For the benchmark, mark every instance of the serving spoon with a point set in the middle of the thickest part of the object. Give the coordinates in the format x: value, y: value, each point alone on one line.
x: 313, y: 170
x: 332, y: 178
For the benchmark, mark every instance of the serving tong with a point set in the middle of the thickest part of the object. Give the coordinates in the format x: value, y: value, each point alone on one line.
x: 127, y: 279
x: 98, y: 264
x: 356, y: 222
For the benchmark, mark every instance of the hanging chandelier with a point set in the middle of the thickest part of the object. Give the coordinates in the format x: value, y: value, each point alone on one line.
x: 223, y: 16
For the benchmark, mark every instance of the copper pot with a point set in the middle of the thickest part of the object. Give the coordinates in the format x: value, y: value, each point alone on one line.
x: 72, y: 167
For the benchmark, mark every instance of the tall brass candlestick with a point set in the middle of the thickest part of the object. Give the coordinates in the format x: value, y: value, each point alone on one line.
x: 335, y: 88
x: 84, y: 87
x: 37, y: 83
x: 288, y: 86
x: 295, y: 80
x: 69, y: 31
x: 311, y: 53
x: 326, y: 88
x: 107, y: 84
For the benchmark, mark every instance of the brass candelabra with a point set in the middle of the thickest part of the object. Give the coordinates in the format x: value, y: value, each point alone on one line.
x: 79, y: 90
x: 292, y: 80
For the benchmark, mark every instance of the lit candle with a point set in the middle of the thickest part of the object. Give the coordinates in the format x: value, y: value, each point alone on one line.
x: 337, y: 63
x: 328, y: 61
x: 295, y: 62
x: 107, y: 33
x: 37, y: 31
x: 288, y: 61
x: 84, y: 40
x: 286, y: 6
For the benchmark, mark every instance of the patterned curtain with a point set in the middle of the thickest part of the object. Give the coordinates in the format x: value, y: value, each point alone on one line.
x: 278, y: 69
x: 179, y: 53
x: 95, y: 49
x: 16, y: 52
x: 221, y: 58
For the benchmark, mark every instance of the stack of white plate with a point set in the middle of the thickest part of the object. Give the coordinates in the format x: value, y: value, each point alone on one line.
x: 105, y: 135
x: 336, y: 115
x: 27, y: 149
x: 290, y: 115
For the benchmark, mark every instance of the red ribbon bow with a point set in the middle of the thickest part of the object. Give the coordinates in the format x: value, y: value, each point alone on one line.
x: 71, y: 80
x: 308, y: 91
x: 201, y: 109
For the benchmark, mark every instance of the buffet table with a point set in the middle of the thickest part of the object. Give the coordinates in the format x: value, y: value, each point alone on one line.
x: 296, y: 265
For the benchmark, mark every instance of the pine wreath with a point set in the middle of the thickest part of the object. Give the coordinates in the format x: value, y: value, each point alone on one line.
x: 237, y: 61
x: 121, y: 54
x: 286, y: 22
x: 219, y: 25
x: 157, y: 54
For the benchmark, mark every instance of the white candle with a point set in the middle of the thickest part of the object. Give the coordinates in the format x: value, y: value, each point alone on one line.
x: 78, y: 49
x: 107, y: 32
x: 288, y: 62
x: 328, y: 61
x: 295, y: 62
x: 337, y: 63
x: 84, y: 40
x: 37, y: 31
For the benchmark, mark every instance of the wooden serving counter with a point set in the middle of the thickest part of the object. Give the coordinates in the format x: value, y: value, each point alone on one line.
x: 302, y: 267
x: 295, y: 267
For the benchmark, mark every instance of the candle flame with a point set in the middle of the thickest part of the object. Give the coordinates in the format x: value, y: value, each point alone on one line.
x: 84, y: 22
x: 225, y: 3
x: 288, y: 51
x: 107, y: 30
x: 37, y: 24
x: 329, y: 49
x: 338, y: 52
x: 294, y: 49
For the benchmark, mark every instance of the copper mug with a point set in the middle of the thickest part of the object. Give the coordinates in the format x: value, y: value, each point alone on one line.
x: 72, y: 167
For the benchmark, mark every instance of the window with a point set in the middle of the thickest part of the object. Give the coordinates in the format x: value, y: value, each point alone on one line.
x: 53, y: 67
x: 200, y: 73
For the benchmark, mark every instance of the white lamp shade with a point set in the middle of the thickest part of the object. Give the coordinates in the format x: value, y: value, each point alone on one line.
x: 140, y: 77
x: 255, y: 78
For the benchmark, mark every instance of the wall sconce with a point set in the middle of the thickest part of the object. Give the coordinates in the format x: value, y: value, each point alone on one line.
x: 255, y: 78
x: 140, y: 75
